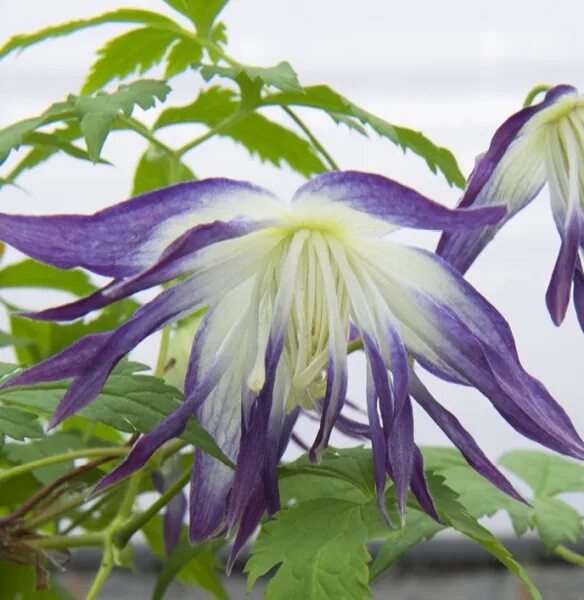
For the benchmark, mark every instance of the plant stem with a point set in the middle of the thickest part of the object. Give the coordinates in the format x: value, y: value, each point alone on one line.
x: 570, y: 556
x: 535, y: 92
x: 68, y: 541
x: 212, y: 132
x: 59, y: 458
x: 328, y: 158
x: 142, y: 130
x: 136, y: 522
x: 162, y: 353
x: 107, y: 564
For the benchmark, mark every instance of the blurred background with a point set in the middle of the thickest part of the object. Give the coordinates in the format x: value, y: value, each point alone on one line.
x: 453, y: 69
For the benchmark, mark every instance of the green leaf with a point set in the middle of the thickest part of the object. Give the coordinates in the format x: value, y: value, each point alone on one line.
x: 136, y: 51
x: 31, y: 273
x: 57, y: 443
x: 19, y: 424
x: 547, y: 474
x: 202, y: 14
x: 157, y: 169
x: 10, y: 340
x: 324, y: 98
x: 14, y: 135
x: 17, y: 582
x: 128, y: 402
x: 556, y: 522
x: 97, y: 113
x: 320, y: 549
x: 454, y: 514
x: 181, y: 56
x: 196, y: 564
x: 281, y: 76
x: 122, y: 15
x: 418, y: 527
x: 270, y: 141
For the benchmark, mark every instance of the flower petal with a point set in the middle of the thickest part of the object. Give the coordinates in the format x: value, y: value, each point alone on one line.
x: 460, y: 438
x: 512, y: 171
x: 127, y: 238
x: 445, y: 321
x: 579, y: 294
x: 176, y: 260
x: 419, y: 487
x: 385, y: 199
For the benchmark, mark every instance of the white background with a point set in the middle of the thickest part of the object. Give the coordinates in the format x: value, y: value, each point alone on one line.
x: 454, y: 69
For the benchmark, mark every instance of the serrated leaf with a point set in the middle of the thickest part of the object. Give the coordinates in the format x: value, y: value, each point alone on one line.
x: 202, y: 14
x: 556, y: 522
x: 128, y: 402
x: 57, y: 443
x: 181, y: 56
x: 268, y: 140
x: 157, y: 169
x: 418, y: 527
x: 136, y: 51
x: 97, y: 113
x: 198, y: 563
x: 31, y: 273
x: 17, y: 582
x: 281, y: 76
x: 324, y: 98
x: 320, y: 549
x: 122, y: 15
x: 454, y: 514
x: 19, y: 424
x: 547, y: 474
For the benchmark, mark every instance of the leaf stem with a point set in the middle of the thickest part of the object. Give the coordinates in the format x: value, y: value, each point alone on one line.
x: 162, y: 353
x: 57, y: 542
x: 142, y: 130
x: 105, y: 568
x: 211, y: 133
x: 570, y: 556
x: 535, y: 92
x: 136, y: 522
x: 59, y: 458
x: 313, y: 140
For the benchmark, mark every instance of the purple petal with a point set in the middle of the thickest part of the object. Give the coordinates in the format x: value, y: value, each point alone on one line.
x: 390, y: 201
x: 173, y: 263
x: 419, y: 486
x: 560, y: 286
x: 579, y: 294
x: 127, y: 238
x: 448, y: 323
x: 174, y: 518
x: 460, y: 438
x: 461, y: 248
x: 167, y: 307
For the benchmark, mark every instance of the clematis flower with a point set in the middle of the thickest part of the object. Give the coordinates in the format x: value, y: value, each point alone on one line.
x: 539, y: 144
x: 286, y: 286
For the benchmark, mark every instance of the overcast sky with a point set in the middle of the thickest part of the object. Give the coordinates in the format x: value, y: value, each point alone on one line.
x: 454, y: 69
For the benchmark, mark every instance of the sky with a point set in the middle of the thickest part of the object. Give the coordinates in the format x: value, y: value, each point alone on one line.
x: 453, y: 69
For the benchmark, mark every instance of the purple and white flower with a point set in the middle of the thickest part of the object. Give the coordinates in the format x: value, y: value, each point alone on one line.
x: 539, y: 144
x: 286, y: 286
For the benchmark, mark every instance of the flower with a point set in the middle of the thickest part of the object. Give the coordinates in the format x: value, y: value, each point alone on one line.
x: 539, y: 144
x: 286, y: 286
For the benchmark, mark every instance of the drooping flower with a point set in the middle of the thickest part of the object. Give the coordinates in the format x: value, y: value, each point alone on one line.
x: 539, y: 144
x: 286, y: 286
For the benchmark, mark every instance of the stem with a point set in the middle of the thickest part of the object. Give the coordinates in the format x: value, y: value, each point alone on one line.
x: 107, y: 564
x: 534, y: 92
x: 113, y: 452
x: 162, y: 353
x: 328, y: 158
x: 68, y: 541
x: 142, y: 130
x: 212, y: 132
x: 136, y: 522
x: 570, y: 556
x: 355, y: 345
